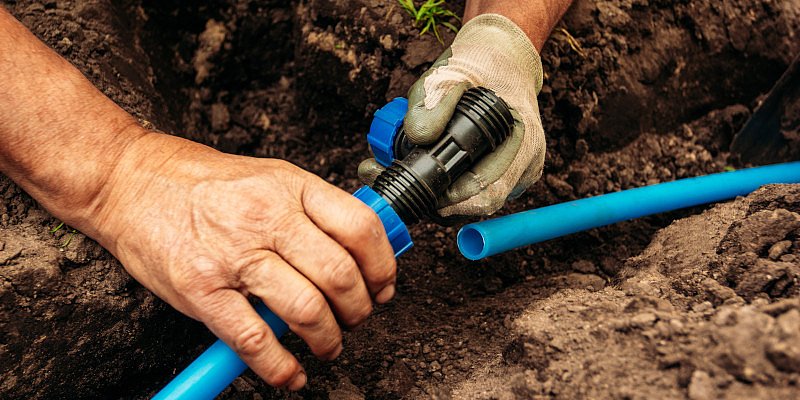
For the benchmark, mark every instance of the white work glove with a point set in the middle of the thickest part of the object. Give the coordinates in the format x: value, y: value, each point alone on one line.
x: 493, y: 52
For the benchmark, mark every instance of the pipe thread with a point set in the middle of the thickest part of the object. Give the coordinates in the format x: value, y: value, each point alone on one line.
x: 407, y: 196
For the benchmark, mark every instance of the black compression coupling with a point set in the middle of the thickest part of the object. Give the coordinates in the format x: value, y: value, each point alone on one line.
x: 420, y: 175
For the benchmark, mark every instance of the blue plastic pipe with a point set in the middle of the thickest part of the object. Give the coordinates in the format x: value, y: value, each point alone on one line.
x: 210, y: 373
x: 494, y: 236
x: 215, y: 369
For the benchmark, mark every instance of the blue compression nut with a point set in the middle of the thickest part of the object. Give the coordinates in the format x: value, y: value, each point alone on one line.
x: 382, y: 133
x: 395, y: 228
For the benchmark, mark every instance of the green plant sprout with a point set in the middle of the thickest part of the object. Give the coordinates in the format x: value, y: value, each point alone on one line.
x: 430, y: 15
x: 72, y: 233
x: 57, y: 228
x: 66, y: 243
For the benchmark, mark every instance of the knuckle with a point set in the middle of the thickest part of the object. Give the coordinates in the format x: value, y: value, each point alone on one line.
x: 252, y: 341
x: 196, y: 279
x: 310, y: 307
x: 342, y: 274
x: 367, y: 225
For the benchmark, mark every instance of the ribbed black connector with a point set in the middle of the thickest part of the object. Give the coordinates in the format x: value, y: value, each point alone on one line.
x: 421, y: 174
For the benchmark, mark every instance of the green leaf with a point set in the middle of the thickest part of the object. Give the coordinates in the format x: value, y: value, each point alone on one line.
x: 450, y: 26
x: 427, y: 26
x: 54, y: 230
x: 429, y: 15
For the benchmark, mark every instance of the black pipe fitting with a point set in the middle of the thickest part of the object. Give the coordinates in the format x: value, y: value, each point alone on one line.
x: 420, y: 175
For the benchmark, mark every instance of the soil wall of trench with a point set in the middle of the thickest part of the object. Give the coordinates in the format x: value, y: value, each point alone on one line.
x: 636, y: 92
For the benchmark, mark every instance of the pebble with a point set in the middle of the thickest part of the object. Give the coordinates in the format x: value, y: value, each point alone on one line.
x: 701, y: 386
x: 643, y: 319
x: 559, y: 186
x: 676, y: 325
x: 386, y: 42
x: 220, y: 117
x: 584, y: 266
x: 779, y: 249
x: 702, y: 307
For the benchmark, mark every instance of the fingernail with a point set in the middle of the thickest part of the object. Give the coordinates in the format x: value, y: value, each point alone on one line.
x: 386, y: 294
x: 298, y: 382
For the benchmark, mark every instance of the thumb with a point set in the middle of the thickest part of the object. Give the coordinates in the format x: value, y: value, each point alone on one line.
x: 369, y: 170
x: 424, y: 123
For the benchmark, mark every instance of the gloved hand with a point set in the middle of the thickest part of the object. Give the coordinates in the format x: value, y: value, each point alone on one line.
x: 493, y: 52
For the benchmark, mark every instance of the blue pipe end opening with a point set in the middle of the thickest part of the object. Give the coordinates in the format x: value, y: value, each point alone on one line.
x: 471, y: 243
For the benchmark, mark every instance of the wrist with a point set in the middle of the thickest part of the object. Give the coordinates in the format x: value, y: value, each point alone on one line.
x: 497, y: 34
x: 536, y: 18
x: 82, y: 195
x: 154, y: 169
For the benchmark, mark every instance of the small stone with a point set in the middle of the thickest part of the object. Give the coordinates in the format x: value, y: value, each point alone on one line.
x: 581, y: 148
x: 702, y: 307
x: 676, y: 325
x: 785, y: 356
x: 559, y: 186
x: 435, y: 366
x: 779, y: 249
x: 386, y: 42
x: 575, y: 308
x: 65, y: 42
x: 220, y: 117
x: 702, y: 386
x: 585, y: 266
x: 264, y: 122
x: 242, y: 385
x: 643, y: 319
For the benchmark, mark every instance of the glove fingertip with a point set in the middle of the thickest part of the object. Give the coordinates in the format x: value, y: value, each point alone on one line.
x: 424, y: 124
x: 368, y: 171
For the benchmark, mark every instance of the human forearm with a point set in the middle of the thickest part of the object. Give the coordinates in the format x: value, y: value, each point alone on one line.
x: 59, y: 136
x: 536, y: 18
x: 202, y: 229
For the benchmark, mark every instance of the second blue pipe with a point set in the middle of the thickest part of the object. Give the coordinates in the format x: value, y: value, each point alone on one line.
x: 494, y: 236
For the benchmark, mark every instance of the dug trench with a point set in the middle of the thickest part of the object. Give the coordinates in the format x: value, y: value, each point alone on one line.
x: 636, y: 92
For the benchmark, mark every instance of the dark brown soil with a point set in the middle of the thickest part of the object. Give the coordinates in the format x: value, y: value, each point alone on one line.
x: 705, y: 308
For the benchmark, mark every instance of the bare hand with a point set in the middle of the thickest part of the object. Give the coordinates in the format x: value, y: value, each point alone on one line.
x: 204, y: 230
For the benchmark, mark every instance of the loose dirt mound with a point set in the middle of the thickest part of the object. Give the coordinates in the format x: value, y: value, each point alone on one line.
x: 636, y: 92
x: 709, y: 310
